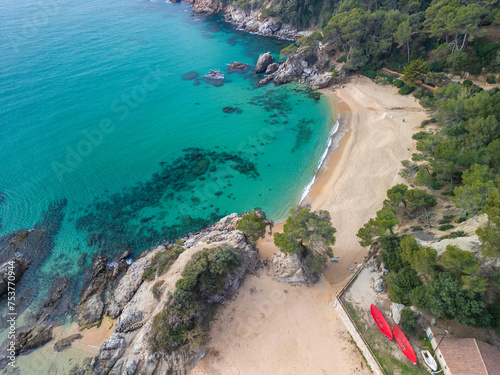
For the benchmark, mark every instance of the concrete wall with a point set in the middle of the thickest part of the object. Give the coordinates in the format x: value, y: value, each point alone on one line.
x: 344, y: 316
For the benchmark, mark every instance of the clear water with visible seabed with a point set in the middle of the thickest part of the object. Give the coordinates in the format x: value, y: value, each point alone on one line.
x: 96, y: 108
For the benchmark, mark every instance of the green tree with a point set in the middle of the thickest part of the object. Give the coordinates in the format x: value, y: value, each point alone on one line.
x: 478, y: 186
x: 445, y: 297
x: 417, y: 199
x: 424, y: 178
x: 403, y: 36
x: 396, y: 194
x: 253, y: 225
x: 489, y: 235
x: 408, y: 323
x: 414, y: 71
x: 475, y: 283
x: 458, y: 261
x: 384, y: 222
x: 309, y: 234
x: 400, y: 284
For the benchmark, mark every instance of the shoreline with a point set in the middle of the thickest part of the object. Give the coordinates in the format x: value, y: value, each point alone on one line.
x: 351, y: 184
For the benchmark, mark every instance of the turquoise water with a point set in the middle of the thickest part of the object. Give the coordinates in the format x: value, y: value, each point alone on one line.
x: 93, y: 109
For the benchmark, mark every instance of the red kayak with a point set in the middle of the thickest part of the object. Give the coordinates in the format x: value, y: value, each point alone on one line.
x: 404, y: 344
x: 382, y: 324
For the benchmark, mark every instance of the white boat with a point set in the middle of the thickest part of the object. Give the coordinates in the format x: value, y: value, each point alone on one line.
x: 431, y: 362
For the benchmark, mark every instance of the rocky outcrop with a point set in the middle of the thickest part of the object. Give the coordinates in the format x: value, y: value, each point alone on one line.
x: 291, y: 269
x: 396, y: 309
x: 128, y: 350
x: 252, y: 21
x: 29, y: 247
x: 272, y: 68
x: 263, y: 62
x: 206, y: 6
x: 12, y: 271
x: 37, y: 330
x: 237, y: 67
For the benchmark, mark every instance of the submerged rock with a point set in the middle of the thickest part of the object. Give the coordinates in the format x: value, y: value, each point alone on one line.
x: 232, y: 110
x: 263, y: 62
x: 189, y: 76
x: 66, y: 342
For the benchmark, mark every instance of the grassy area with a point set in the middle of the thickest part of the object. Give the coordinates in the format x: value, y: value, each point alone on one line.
x: 383, y: 348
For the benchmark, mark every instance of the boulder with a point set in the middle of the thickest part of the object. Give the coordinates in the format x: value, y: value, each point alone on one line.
x: 14, y: 268
x: 272, y: 68
x: 214, y: 77
x: 396, y: 311
x: 266, y: 80
x: 206, y: 6
x: 237, y: 67
x: 290, y: 269
x: 379, y: 282
x: 263, y: 62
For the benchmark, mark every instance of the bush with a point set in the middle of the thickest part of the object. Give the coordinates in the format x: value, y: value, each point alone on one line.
x: 149, y: 274
x: 408, y: 322
x: 420, y: 135
x: 490, y: 79
x: 183, y: 322
x: 446, y: 227
x: 162, y: 261
x: 157, y: 289
x: 456, y: 234
x: 398, y: 83
x: 342, y: 59
x: 391, y: 253
x: 497, y: 80
x: 417, y: 228
x: 446, y: 219
x: 267, y: 12
x: 253, y: 225
x: 468, y: 83
x: 288, y: 50
x: 405, y: 90
x: 401, y: 284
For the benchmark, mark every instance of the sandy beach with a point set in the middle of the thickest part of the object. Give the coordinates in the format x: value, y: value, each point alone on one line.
x: 299, y: 332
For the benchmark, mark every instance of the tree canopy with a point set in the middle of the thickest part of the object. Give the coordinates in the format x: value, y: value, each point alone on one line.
x: 309, y: 234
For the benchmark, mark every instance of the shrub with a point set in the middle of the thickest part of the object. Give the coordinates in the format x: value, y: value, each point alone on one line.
x: 446, y: 219
x: 342, y: 59
x: 456, y: 234
x: 417, y: 228
x: 253, y: 225
x: 401, y: 284
x: 162, y: 261
x: 398, y: 83
x: 490, y: 79
x: 149, y: 274
x: 184, y: 321
x: 408, y: 322
x: 446, y: 227
x: 405, y: 90
x: 420, y: 135
x: 157, y: 289
x: 288, y: 50
x: 468, y: 83
x: 497, y: 80
x: 267, y: 12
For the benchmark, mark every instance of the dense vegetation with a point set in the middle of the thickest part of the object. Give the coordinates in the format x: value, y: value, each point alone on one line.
x: 182, y: 322
x: 461, y: 159
x: 372, y: 34
x: 254, y: 225
x: 309, y: 234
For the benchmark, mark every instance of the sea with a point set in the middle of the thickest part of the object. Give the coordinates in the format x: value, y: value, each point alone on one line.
x: 107, y: 120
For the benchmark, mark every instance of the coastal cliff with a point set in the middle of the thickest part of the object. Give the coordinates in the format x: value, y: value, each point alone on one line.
x: 139, y: 302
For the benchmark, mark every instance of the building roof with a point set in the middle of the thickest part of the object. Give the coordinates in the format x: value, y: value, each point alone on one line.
x: 470, y: 357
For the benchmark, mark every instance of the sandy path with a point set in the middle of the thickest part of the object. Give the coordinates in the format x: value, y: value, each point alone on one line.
x: 299, y: 332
